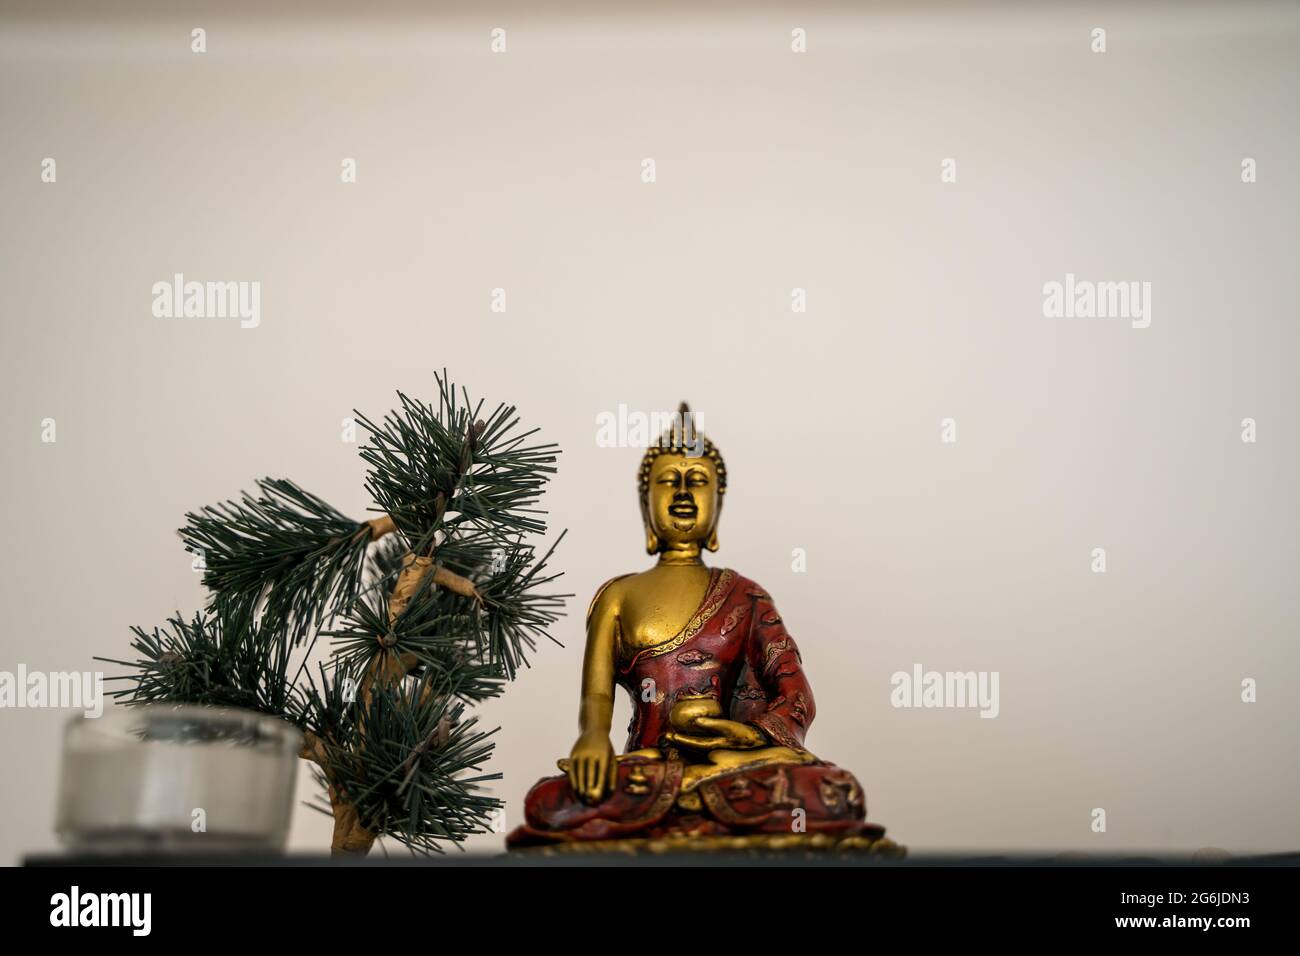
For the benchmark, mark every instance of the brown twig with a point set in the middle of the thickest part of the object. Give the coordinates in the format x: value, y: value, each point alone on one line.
x: 387, y: 667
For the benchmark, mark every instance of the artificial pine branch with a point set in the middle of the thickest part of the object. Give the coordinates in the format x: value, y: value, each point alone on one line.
x: 435, y: 469
x: 284, y: 549
x: 220, y: 658
x: 402, y: 767
x: 440, y: 600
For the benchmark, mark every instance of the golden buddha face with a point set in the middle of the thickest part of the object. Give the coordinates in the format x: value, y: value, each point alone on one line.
x: 681, y: 503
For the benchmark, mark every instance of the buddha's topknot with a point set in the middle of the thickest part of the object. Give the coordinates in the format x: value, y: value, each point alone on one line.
x: 680, y: 439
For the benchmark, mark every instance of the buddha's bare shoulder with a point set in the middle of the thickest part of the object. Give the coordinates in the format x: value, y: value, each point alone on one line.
x: 610, y: 594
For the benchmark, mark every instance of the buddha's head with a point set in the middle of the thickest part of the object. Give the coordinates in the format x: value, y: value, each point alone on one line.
x: 681, y: 484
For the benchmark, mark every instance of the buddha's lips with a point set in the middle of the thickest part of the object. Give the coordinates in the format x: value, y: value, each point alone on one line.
x: 683, y: 511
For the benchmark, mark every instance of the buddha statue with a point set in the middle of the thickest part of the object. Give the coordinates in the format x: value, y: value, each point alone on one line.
x: 715, y: 755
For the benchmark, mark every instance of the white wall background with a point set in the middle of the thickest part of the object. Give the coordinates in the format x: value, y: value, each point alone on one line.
x: 775, y: 171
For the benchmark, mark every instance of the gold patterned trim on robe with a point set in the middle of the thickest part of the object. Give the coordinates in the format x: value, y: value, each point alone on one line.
x: 714, y: 598
x: 697, y: 775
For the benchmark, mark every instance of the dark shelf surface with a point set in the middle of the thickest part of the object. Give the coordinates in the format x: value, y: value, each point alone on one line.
x: 458, y: 859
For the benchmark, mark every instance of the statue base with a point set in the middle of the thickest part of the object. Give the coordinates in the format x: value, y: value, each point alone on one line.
x: 857, y: 844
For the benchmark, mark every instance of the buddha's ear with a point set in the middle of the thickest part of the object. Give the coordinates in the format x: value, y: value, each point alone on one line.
x: 651, y: 539
x: 712, y: 543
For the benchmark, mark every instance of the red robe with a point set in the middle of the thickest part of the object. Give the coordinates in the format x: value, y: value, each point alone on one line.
x: 735, y: 649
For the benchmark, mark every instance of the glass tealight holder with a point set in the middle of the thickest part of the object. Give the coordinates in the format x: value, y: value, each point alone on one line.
x: 177, y: 780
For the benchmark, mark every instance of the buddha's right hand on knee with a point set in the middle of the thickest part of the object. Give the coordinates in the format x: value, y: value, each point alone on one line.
x: 592, y: 767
